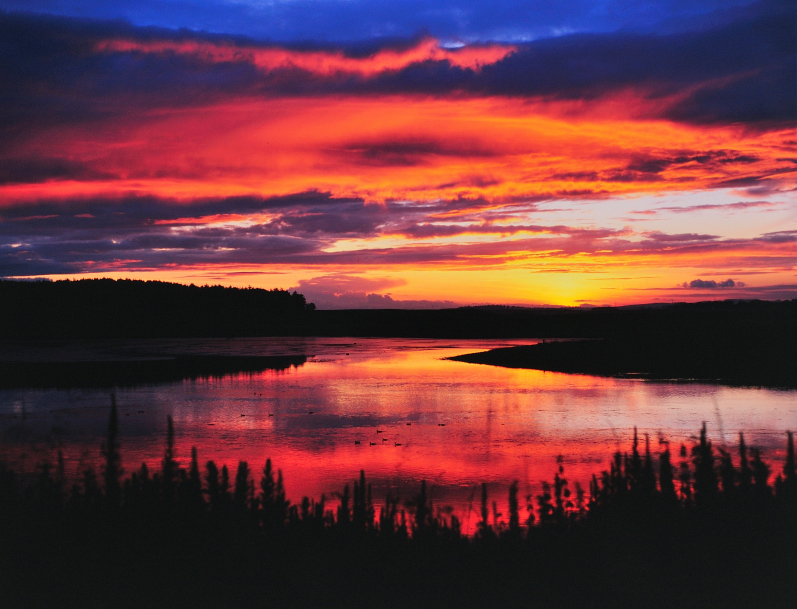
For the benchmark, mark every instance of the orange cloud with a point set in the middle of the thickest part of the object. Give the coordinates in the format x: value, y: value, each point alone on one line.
x: 322, y: 63
x: 402, y: 147
x: 454, y: 190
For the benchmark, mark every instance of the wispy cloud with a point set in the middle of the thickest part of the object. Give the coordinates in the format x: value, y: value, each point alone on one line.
x: 135, y: 233
x: 741, y: 205
x: 325, y: 63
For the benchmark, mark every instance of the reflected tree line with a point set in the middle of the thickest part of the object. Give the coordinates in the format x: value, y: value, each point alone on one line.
x: 699, y: 484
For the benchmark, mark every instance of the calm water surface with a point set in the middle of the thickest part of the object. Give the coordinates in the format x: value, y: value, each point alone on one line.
x: 451, y: 423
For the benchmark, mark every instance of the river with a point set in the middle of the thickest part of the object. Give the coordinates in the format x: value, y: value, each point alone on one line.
x: 395, y: 408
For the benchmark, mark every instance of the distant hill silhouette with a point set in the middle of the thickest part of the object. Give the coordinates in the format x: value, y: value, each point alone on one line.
x: 107, y: 308
x: 104, y: 308
x: 744, y: 342
x: 703, y: 321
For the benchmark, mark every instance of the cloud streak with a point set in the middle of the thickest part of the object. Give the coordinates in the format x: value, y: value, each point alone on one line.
x: 324, y: 63
x: 313, y: 229
x: 741, y: 205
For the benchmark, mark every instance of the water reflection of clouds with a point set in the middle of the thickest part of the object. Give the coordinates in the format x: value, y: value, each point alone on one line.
x: 499, y: 424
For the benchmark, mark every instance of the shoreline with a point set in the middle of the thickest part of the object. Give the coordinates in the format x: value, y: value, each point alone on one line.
x: 743, y: 364
x: 133, y: 372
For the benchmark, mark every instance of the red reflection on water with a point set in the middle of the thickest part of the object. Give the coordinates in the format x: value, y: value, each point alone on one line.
x: 452, y: 424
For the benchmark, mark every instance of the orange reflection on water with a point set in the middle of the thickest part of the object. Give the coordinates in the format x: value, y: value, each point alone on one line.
x: 452, y: 424
x: 467, y: 424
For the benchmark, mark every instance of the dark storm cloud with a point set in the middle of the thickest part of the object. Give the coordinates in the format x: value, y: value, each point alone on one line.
x: 708, y: 159
x: 69, y: 236
x: 410, y: 152
x: 312, y: 214
x: 52, y: 75
x: 25, y: 263
x: 772, y: 292
x: 345, y: 219
x: 142, y: 233
x: 450, y: 230
x: 32, y: 170
x: 135, y: 211
x: 741, y: 71
x: 147, y: 251
x: 364, y: 19
x: 72, y: 235
x: 658, y: 238
x: 783, y: 236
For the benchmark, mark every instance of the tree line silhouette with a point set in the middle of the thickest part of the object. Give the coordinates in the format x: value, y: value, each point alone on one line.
x: 736, y: 342
x: 705, y: 481
x: 127, y: 308
x: 688, y: 508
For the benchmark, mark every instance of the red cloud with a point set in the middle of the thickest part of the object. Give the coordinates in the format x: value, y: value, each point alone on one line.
x: 322, y: 63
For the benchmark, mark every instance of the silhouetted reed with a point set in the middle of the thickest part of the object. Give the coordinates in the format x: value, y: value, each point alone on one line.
x: 707, y: 503
x: 709, y: 482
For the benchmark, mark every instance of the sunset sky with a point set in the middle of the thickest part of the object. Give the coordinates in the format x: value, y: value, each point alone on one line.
x: 405, y: 153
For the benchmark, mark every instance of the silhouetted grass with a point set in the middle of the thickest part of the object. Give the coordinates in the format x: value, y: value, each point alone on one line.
x: 702, y: 531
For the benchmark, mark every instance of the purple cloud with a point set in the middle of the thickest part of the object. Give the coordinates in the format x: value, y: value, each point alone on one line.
x: 342, y: 291
x: 710, y: 284
x: 710, y: 207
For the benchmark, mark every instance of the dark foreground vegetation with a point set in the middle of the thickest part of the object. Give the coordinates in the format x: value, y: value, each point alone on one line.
x: 694, y: 528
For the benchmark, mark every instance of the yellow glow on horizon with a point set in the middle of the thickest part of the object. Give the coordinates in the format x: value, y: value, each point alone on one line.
x: 617, y: 285
x: 473, y: 162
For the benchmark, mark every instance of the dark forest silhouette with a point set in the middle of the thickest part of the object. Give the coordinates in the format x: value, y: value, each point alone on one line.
x: 735, y: 342
x: 125, y: 308
x: 737, y: 357
x: 694, y: 527
x: 105, y: 308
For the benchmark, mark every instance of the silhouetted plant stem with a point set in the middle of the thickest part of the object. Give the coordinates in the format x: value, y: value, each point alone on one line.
x: 666, y: 484
x: 484, y: 525
x: 242, y: 495
x: 514, y: 512
x: 169, y: 466
x: 790, y: 470
x: 705, y: 475
x: 624, y: 499
x: 112, y: 470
